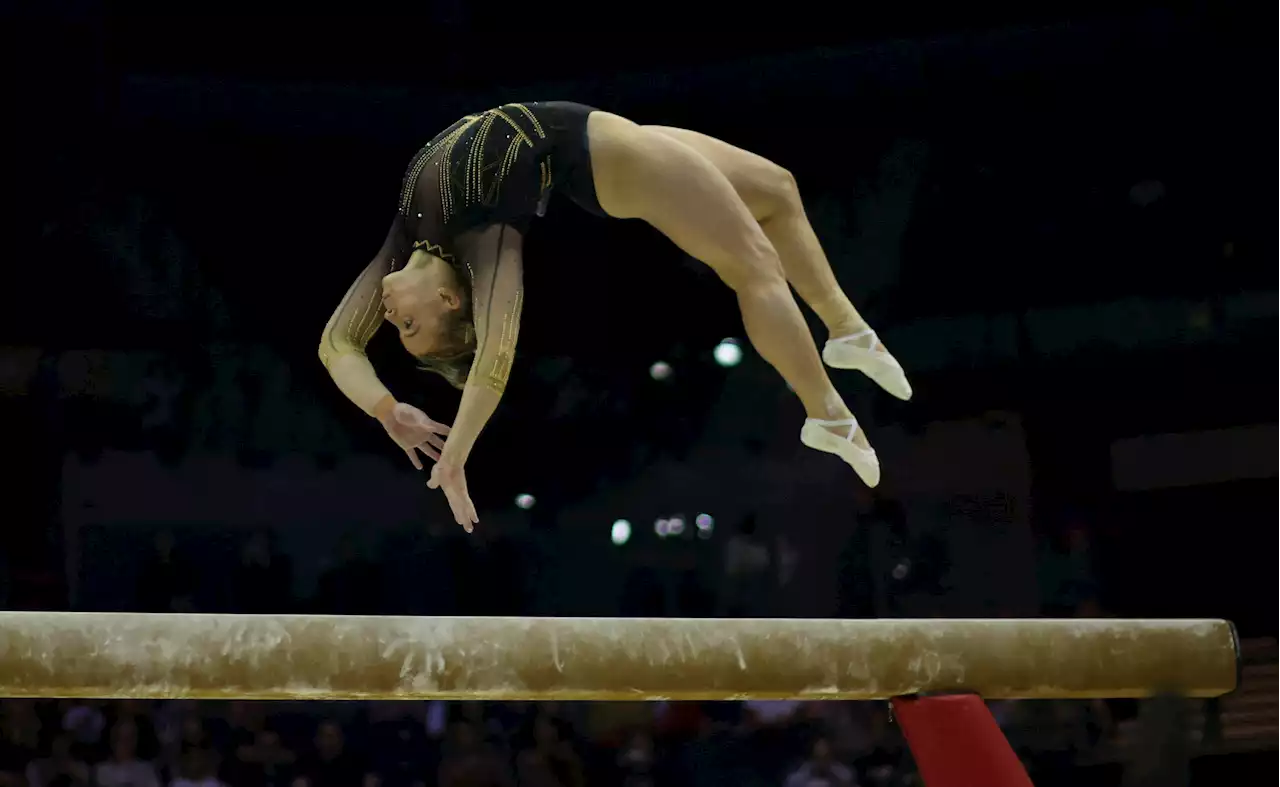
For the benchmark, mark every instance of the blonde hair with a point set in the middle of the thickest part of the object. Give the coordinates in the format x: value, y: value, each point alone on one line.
x: 453, y: 361
x: 453, y: 365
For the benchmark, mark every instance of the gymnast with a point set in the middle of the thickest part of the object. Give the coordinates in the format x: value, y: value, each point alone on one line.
x: 448, y: 276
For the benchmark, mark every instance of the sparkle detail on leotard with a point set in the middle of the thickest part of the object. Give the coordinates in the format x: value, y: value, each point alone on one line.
x: 495, y: 377
x: 465, y: 176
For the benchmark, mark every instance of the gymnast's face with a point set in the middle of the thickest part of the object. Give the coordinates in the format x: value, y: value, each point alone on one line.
x: 418, y: 301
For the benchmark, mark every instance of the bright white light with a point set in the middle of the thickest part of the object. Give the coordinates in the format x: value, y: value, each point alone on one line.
x: 660, y: 370
x: 621, y: 532
x: 901, y: 570
x: 675, y: 525
x: 704, y: 521
x: 728, y: 353
x: 662, y: 527
x: 525, y: 501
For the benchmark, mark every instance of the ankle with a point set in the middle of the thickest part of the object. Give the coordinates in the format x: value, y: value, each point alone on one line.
x: 830, y: 408
x: 847, y: 326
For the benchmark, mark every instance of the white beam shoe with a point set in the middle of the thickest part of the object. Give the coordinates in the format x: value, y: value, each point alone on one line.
x: 864, y: 462
x: 858, y: 351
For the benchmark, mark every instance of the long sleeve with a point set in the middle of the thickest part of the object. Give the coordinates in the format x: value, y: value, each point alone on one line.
x: 353, y: 324
x: 497, y: 297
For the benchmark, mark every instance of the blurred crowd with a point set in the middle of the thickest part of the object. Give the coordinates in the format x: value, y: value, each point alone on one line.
x: 472, y: 744
x: 754, y: 743
x: 460, y: 744
x: 184, y: 744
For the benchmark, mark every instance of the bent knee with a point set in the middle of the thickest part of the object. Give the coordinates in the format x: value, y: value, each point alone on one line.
x: 763, y: 289
x: 773, y: 192
x: 780, y: 183
x: 755, y: 267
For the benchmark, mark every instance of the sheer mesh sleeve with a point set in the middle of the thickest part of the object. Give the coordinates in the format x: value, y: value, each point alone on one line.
x: 497, y: 297
x: 483, y: 170
x: 435, y: 188
x: 354, y: 322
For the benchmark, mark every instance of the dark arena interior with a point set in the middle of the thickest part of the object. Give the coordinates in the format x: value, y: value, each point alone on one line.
x: 216, y: 570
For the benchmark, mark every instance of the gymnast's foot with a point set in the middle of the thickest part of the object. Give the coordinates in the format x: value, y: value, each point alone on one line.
x: 863, y: 350
x: 844, y: 439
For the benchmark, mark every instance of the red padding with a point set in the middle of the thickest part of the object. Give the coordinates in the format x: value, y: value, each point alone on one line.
x: 957, y: 743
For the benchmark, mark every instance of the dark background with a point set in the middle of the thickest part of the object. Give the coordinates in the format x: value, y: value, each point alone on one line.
x: 1057, y: 219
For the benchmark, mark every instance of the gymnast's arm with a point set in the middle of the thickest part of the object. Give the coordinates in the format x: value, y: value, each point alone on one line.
x: 497, y: 296
x: 342, y: 347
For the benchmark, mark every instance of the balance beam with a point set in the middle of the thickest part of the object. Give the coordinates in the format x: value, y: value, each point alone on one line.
x: 313, y: 657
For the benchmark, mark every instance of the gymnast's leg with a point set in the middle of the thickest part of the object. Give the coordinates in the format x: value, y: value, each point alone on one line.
x: 770, y: 193
x: 640, y: 173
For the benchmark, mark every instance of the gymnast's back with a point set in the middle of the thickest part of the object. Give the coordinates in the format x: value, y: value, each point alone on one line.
x: 493, y: 167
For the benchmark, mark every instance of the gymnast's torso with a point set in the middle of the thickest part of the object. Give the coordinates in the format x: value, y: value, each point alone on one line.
x: 499, y: 166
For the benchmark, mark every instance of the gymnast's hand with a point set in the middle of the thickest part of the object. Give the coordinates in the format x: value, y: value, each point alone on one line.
x: 453, y: 481
x: 413, y: 431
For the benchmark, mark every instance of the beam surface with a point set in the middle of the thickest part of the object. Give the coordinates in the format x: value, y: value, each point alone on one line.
x: 104, y: 655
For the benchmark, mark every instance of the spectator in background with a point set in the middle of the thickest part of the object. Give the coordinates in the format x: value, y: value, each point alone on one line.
x: 263, y: 579
x: 244, y: 720
x: 60, y: 769
x: 550, y: 761
x: 85, y: 722
x: 193, y: 759
x: 196, y: 768
x: 847, y: 726
x: 487, y: 722
x: 637, y: 762
x: 821, y: 769
x: 469, y: 762
x: 329, y: 764
x: 773, y: 730
x: 166, y: 581
x: 719, y: 752
x: 134, y: 712
x: 11, y: 768
x: 883, y: 763
x: 123, y: 768
x: 1161, y: 752
x: 403, y: 754
x: 262, y: 761
x: 20, y: 730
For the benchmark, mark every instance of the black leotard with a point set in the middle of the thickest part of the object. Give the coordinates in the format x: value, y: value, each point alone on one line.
x: 495, y: 167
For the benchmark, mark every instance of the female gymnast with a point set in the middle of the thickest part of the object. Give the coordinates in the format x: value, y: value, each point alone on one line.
x: 448, y: 276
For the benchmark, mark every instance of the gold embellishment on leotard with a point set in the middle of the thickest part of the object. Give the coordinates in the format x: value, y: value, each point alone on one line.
x: 444, y: 146
x: 519, y: 132
x: 537, y: 127
x: 508, y: 160
x: 519, y: 137
x: 445, y: 179
x: 497, y: 386
x: 471, y: 175
x: 364, y: 324
x: 432, y: 248
x: 499, y: 371
x: 481, y: 180
x: 353, y: 325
